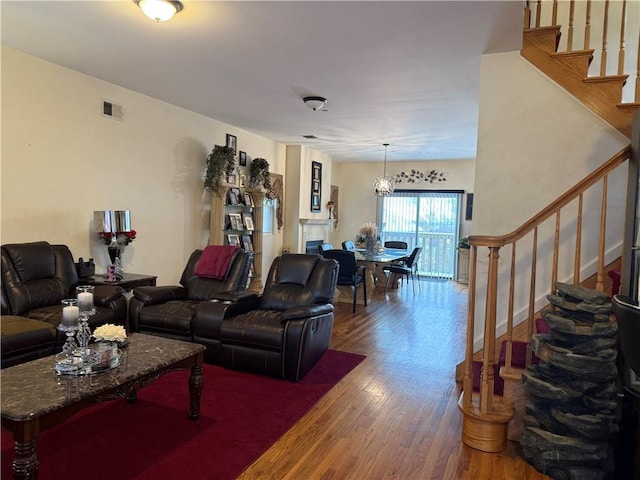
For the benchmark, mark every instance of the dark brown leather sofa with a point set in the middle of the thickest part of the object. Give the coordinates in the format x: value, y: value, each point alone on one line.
x: 35, y: 278
x: 169, y: 311
x: 284, y: 331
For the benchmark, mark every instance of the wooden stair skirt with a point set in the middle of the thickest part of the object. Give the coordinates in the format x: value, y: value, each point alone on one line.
x: 570, y: 70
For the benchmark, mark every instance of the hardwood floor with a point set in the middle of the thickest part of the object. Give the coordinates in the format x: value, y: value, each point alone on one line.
x: 396, y: 414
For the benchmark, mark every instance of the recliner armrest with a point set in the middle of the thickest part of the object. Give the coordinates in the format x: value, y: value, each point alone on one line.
x: 234, y: 297
x: 306, y: 311
x: 155, y: 295
x: 103, y: 295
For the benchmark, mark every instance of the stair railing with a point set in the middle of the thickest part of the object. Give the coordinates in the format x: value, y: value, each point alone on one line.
x: 607, y: 25
x: 485, y: 404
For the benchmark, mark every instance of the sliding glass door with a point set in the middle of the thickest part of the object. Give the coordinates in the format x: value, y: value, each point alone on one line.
x: 424, y: 219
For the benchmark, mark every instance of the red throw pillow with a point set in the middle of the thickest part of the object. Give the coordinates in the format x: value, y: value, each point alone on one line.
x: 214, y: 261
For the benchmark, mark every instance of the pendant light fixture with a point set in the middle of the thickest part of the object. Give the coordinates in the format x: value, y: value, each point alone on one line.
x: 384, y: 185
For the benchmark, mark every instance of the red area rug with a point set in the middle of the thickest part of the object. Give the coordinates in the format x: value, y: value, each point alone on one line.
x: 242, y: 415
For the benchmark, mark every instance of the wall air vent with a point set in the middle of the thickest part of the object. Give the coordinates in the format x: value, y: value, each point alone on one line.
x: 309, y: 137
x: 111, y: 110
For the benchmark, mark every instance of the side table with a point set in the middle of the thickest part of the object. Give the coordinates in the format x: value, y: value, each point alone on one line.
x: 130, y: 280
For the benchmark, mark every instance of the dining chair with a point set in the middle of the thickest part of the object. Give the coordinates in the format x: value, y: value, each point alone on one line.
x: 350, y: 273
x: 408, y: 270
x: 349, y: 245
x: 324, y: 246
x: 396, y: 244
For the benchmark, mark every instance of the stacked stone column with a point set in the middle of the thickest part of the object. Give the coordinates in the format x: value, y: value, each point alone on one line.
x: 571, y: 419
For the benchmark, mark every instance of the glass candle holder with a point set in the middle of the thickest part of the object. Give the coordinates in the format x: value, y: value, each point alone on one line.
x: 85, y: 299
x: 70, y: 313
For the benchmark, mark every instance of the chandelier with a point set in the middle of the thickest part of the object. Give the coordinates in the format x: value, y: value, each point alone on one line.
x: 384, y: 185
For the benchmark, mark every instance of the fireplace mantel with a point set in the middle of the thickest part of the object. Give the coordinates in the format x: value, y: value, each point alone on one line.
x: 314, y: 229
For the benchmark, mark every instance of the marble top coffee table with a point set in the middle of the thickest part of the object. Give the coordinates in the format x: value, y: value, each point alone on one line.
x: 35, y: 399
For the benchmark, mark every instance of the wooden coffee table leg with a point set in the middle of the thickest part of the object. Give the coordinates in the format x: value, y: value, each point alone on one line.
x: 26, y: 463
x: 196, y: 382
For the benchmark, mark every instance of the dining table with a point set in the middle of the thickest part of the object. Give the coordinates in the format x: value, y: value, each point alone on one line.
x: 375, y: 262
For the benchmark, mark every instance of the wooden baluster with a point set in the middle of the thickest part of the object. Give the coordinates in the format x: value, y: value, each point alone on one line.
x: 587, y: 26
x: 605, y: 27
x: 572, y: 8
x: 486, y: 387
x: 601, y: 241
x: 623, y: 24
x: 554, y: 13
x: 576, y: 262
x: 556, y: 250
x: 532, y: 293
x: 512, y: 281
x: 538, y: 11
x: 527, y: 14
x: 637, y: 96
x: 467, y: 385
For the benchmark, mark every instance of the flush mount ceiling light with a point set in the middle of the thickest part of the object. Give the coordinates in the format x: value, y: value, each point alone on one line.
x: 314, y: 103
x: 384, y: 185
x: 159, y: 10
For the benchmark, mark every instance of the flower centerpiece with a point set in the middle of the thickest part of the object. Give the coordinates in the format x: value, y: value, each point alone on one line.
x: 368, y: 232
x: 110, y: 333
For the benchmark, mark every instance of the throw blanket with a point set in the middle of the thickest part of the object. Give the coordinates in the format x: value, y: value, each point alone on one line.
x: 214, y: 261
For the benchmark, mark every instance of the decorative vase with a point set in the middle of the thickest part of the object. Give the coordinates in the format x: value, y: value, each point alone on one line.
x: 370, y: 244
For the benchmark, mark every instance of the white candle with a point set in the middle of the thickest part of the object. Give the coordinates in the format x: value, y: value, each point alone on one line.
x: 70, y: 316
x: 85, y: 301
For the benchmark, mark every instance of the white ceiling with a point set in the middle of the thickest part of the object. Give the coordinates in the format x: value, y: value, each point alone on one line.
x: 405, y: 73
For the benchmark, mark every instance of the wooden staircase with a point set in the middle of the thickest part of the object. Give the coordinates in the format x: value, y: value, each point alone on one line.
x: 602, y: 94
x: 489, y: 419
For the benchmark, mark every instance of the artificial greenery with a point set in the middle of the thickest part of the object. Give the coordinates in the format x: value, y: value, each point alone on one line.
x: 259, y: 173
x: 219, y: 167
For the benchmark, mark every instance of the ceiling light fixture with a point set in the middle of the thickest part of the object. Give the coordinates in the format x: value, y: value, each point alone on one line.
x: 384, y: 185
x: 314, y: 103
x: 159, y: 10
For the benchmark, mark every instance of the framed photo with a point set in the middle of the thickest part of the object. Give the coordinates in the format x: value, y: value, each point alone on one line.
x: 233, y: 239
x: 231, y: 179
x: 234, y: 196
x: 247, y: 244
x: 243, y: 181
x: 316, y: 186
x: 235, y: 221
x: 232, y: 142
x: 248, y: 200
x: 248, y: 221
x: 242, y: 159
x: 315, y: 202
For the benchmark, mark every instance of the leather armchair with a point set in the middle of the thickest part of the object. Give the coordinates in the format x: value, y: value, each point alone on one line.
x: 284, y: 331
x: 169, y: 311
x: 35, y: 278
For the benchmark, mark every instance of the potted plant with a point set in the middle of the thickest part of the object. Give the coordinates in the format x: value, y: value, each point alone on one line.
x: 259, y: 173
x: 219, y: 166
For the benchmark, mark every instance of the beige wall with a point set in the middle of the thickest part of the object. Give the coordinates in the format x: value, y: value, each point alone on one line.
x: 61, y: 160
x: 358, y: 204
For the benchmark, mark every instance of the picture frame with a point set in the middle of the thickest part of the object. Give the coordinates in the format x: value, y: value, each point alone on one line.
x: 231, y: 179
x: 232, y: 142
x: 248, y: 200
x: 242, y: 159
x: 316, y: 186
x: 247, y: 218
x: 234, y: 196
x: 235, y: 221
x: 247, y: 243
x: 233, y: 239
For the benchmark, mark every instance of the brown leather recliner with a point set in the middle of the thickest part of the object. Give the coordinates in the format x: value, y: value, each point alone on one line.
x: 35, y: 278
x: 169, y: 311
x: 282, y: 332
